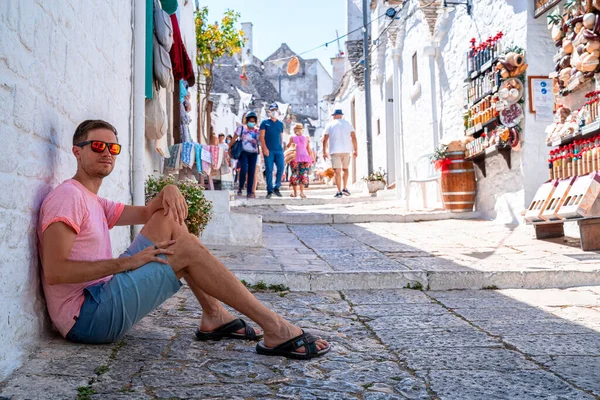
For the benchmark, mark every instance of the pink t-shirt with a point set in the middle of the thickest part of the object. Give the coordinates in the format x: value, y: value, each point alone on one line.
x: 90, y: 217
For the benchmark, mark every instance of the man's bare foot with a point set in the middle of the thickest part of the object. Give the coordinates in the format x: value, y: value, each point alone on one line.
x: 210, y: 322
x: 286, y: 331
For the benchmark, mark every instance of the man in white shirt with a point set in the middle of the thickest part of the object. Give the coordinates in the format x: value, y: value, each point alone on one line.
x: 340, y: 133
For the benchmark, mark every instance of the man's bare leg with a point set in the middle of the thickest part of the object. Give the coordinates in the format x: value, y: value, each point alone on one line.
x: 346, y: 174
x: 338, y: 179
x: 213, y: 313
x: 212, y: 281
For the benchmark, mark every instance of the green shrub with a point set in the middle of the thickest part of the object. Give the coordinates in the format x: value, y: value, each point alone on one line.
x: 199, y: 208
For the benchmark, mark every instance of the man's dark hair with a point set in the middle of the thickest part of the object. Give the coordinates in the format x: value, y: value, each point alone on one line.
x: 89, y: 125
x: 221, y: 135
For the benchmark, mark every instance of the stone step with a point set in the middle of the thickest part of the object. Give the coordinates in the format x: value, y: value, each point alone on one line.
x: 310, y: 200
x: 300, y: 218
x: 427, y: 280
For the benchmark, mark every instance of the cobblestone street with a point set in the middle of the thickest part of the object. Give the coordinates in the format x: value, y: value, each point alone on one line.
x: 393, y: 344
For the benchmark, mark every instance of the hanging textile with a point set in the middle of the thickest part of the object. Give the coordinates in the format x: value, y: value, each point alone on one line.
x: 174, y: 162
x: 221, y: 157
x: 183, y: 90
x: 182, y: 65
x: 185, y: 120
x: 198, y: 151
x: 245, y: 99
x: 206, y: 159
x: 188, y: 154
x: 161, y: 146
x: 283, y: 108
x: 214, y: 153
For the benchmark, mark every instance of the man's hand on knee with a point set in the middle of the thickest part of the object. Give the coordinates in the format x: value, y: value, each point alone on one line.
x: 174, y: 203
x: 150, y: 254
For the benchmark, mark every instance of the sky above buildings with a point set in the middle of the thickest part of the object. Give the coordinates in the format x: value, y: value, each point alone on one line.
x: 303, y: 25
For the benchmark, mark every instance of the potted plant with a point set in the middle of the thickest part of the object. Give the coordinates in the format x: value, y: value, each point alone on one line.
x: 199, y: 208
x: 440, y: 158
x: 376, y: 181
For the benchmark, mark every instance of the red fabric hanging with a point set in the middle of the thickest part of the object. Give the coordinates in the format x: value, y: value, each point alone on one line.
x: 182, y: 65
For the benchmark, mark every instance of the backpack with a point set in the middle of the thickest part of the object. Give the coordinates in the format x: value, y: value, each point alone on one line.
x: 163, y: 27
x: 156, y: 116
x: 163, y: 70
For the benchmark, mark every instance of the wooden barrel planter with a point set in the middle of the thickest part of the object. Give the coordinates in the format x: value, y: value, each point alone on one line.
x: 458, y: 183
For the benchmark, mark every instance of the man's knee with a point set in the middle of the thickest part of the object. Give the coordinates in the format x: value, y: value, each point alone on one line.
x: 186, y: 249
x: 345, y: 170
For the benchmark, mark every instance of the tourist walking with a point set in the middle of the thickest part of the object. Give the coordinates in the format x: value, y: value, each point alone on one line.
x: 249, y: 135
x: 301, y: 163
x: 339, y: 141
x: 271, y: 140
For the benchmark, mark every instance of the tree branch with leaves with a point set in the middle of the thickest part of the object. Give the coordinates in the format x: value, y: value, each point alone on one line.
x: 214, y: 41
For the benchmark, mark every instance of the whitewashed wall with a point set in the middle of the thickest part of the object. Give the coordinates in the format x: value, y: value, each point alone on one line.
x: 60, y: 62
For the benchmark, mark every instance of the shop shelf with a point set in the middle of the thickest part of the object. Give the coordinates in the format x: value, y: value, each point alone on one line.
x: 484, y: 68
x: 586, y: 132
x: 478, y: 129
x: 491, y: 92
x: 479, y: 158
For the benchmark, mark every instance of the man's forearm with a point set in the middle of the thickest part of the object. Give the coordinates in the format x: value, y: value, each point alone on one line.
x: 84, y: 271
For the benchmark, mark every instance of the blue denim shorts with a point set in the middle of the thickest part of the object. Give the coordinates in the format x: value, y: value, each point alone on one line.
x: 110, y: 309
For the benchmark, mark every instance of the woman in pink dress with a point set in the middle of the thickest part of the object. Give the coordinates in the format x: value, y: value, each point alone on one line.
x: 301, y: 162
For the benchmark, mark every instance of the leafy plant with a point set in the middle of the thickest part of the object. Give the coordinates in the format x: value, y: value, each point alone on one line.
x: 440, y: 153
x: 199, y: 208
x: 378, y: 175
x: 85, y: 392
x: 214, y: 41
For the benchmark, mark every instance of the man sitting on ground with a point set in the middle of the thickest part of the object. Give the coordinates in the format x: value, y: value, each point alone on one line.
x: 93, y: 298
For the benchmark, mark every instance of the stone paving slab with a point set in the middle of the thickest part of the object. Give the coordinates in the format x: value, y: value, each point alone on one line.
x: 443, y: 255
x: 423, y: 348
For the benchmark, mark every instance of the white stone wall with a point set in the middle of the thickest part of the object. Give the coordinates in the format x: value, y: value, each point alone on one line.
x: 355, y: 19
x: 416, y: 98
x: 60, y: 62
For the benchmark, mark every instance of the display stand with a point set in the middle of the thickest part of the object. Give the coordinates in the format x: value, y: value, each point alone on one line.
x: 589, y: 231
x: 479, y: 158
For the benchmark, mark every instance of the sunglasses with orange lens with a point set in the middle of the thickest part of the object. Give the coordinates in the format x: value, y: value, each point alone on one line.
x: 99, y: 146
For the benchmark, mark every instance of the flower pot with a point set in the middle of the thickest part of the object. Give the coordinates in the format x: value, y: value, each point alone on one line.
x: 373, y: 186
x: 381, y: 185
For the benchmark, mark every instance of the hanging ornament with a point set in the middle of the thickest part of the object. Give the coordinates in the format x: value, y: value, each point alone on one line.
x: 293, y: 66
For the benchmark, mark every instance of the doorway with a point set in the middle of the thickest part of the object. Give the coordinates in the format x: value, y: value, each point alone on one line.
x: 389, y: 132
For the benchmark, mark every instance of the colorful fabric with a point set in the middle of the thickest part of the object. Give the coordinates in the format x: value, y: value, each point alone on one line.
x: 188, y: 154
x: 301, y: 151
x: 90, y: 217
x: 214, y: 153
x: 198, y: 150
x: 300, y: 172
x: 249, y: 137
x: 206, y: 159
x: 174, y: 162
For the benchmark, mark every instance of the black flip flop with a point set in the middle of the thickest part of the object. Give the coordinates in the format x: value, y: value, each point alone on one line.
x: 229, y: 330
x: 288, y: 349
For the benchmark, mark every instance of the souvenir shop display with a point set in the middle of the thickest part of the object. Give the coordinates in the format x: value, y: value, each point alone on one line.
x: 493, y: 98
x: 573, y: 186
x: 576, y: 33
